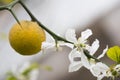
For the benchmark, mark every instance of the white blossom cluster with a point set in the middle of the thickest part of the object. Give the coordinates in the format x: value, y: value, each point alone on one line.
x: 81, y: 49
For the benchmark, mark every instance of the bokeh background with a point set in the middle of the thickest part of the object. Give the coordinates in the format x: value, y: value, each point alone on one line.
x: 102, y: 16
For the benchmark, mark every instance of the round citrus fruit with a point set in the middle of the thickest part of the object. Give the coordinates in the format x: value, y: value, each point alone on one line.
x: 26, y: 38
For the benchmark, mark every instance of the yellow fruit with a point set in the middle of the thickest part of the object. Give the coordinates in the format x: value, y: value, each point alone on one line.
x: 27, y: 38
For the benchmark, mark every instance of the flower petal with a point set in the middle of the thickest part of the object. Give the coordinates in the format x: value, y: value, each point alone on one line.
x: 47, y: 45
x: 75, y: 66
x: 99, y: 69
x: 85, y: 61
x: 86, y: 34
x: 94, y: 47
x: 69, y: 45
x: 74, y: 53
x: 103, y: 53
x: 70, y: 35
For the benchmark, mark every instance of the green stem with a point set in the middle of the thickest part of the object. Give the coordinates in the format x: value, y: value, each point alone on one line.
x: 89, y: 56
x: 56, y: 37
x: 3, y: 8
x: 14, y: 16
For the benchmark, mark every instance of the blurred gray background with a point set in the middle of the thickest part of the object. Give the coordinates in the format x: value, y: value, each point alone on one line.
x: 102, y: 16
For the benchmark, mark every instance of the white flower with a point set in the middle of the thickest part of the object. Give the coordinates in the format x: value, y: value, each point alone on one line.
x: 47, y: 46
x: 78, y: 50
x: 101, y: 70
x: 81, y: 41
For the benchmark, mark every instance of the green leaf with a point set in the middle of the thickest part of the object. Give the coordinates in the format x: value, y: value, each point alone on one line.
x: 114, y: 53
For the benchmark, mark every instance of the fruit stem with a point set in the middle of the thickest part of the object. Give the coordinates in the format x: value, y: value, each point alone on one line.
x: 11, y: 11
